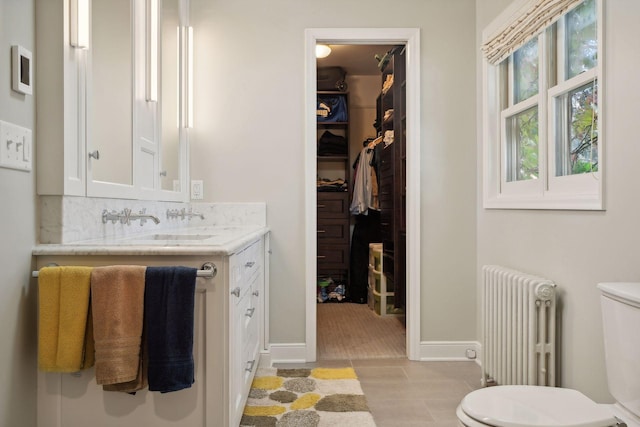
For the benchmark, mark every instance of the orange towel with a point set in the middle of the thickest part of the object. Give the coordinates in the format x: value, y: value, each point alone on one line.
x: 65, y: 342
x: 117, y: 301
x: 141, y: 381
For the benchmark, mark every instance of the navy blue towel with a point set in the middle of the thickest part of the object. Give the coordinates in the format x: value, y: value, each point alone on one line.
x: 169, y: 301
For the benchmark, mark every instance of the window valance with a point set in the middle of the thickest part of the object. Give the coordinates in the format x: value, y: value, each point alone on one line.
x: 530, y: 20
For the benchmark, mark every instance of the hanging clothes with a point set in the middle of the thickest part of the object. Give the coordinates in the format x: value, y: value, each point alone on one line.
x: 366, y: 230
x: 365, y: 187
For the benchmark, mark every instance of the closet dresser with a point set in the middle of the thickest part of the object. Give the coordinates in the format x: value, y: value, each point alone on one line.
x: 333, y: 217
x: 229, y: 333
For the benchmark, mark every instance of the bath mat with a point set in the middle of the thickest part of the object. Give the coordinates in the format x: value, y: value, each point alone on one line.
x: 315, y: 397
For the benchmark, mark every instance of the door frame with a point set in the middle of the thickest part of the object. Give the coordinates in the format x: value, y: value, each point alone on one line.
x: 411, y: 38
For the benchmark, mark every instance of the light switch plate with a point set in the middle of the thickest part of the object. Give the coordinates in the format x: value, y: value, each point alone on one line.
x: 197, y: 190
x: 15, y: 147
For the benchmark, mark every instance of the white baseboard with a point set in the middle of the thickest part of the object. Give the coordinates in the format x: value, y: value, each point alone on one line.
x: 288, y: 353
x: 429, y: 351
x: 449, y: 350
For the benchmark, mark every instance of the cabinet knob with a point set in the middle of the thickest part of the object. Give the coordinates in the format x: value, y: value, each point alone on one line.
x: 250, y: 312
x: 236, y: 292
x: 250, y: 264
x: 256, y: 293
x: 94, y: 155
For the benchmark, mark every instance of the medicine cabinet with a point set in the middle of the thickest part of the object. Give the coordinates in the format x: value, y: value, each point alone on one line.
x: 110, y: 76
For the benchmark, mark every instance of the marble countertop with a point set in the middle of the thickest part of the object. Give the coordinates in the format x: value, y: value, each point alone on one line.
x: 206, y: 240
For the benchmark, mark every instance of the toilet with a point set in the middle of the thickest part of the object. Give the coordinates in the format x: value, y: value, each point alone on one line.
x: 532, y: 406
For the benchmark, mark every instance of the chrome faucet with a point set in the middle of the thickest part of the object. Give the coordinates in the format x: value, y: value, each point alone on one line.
x: 126, y: 216
x: 142, y: 216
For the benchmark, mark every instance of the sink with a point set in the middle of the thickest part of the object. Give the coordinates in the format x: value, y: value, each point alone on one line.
x: 178, y: 237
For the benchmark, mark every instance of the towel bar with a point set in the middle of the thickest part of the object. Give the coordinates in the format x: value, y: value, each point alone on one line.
x: 208, y: 270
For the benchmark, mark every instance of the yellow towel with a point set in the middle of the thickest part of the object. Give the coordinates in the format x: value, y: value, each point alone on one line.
x: 117, y: 301
x: 65, y: 342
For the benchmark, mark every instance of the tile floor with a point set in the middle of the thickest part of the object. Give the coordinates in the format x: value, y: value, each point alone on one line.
x: 404, y: 393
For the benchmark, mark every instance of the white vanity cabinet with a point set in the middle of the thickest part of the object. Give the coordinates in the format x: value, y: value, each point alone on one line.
x: 245, y: 311
x: 229, y: 337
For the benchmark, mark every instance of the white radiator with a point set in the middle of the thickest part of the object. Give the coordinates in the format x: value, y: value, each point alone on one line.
x: 518, y: 328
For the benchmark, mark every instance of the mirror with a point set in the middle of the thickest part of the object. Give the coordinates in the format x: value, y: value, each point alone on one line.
x: 116, y: 71
x: 110, y: 84
x: 170, y: 148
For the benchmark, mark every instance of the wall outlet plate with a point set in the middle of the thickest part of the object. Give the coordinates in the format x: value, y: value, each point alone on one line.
x: 197, y: 190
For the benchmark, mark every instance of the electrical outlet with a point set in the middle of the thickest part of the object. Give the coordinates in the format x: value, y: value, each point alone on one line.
x: 197, y: 190
x: 15, y: 147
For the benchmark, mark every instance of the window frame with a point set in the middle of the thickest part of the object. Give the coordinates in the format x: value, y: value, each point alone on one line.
x: 583, y: 191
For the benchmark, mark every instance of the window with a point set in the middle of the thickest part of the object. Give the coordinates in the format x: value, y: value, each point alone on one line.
x: 541, y: 99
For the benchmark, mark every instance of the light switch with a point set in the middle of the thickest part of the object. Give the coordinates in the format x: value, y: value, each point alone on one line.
x: 26, y: 154
x: 15, y: 147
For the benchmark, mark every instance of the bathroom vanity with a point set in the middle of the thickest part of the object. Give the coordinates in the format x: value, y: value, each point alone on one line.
x: 230, y: 329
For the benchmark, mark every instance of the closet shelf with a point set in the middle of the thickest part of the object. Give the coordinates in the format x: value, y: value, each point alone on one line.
x: 333, y: 124
x: 335, y: 158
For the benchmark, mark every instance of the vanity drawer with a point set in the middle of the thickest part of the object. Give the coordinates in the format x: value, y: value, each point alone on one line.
x: 251, y: 260
x: 245, y: 266
x: 245, y: 353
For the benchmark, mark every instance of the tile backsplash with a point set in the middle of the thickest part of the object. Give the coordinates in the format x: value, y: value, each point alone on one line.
x: 67, y: 219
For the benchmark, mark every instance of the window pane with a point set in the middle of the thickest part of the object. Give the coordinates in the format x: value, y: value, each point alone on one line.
x: 525, y: 71
x: 522, y: 146
x: 577, y: 149
x: 582, y: 39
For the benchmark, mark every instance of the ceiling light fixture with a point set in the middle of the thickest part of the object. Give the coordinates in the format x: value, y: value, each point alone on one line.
x: 322, y: 50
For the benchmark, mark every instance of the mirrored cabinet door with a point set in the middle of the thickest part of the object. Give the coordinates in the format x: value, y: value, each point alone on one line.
x: 110, y: 88
x: 170, y: 148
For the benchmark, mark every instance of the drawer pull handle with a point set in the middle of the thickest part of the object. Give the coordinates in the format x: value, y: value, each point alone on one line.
x: 321, y: 256
x: 322, y: 231
x: 250, y: 364
x: 256, y: 293
x: 250, y: 264
x: 250, y: 312
x: 321, y: 206
x: 236, y: 292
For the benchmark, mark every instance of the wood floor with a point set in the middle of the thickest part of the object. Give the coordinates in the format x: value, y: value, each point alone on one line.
x: 400, y: 392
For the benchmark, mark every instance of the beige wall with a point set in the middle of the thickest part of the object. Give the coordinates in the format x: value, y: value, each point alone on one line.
x: 248, y: 139
x: 363, y: 91
x: 579, y: 249
x: 17, y: 236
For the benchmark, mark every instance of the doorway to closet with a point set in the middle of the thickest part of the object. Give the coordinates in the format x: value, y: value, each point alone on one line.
x: 364, y: 136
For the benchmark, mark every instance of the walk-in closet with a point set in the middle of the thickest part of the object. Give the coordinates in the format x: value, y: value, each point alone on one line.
x: 361, y: 199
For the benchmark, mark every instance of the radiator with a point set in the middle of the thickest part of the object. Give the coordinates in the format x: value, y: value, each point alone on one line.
x: 518, y: 328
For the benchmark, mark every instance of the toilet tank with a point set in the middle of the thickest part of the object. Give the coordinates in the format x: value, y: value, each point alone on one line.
x: 621, y: 327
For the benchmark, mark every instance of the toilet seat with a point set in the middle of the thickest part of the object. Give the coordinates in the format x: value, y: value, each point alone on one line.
x: 533, y: 406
